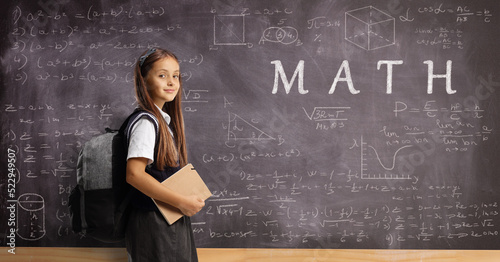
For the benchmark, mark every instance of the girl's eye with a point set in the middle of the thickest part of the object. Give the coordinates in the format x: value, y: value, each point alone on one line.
x: 161, y: 76
x: 176, y: 76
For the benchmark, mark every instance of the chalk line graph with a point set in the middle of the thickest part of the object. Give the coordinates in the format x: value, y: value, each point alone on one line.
x: 387, y: 172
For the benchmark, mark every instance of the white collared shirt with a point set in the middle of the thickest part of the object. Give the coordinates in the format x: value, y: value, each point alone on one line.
x: 143, y: 138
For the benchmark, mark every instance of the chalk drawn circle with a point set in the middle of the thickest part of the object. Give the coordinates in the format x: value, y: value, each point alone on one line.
x: 31, y: 202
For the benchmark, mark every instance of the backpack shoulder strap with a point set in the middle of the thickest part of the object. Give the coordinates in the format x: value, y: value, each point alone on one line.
x: 129, y: 123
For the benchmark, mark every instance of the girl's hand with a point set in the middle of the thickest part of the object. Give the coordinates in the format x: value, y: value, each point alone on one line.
x: 191, y: 205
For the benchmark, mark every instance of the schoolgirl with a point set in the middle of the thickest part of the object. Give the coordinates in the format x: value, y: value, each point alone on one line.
x: 153, y: 157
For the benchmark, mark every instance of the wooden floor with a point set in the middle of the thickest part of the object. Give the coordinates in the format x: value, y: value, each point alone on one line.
x: 255, y: 255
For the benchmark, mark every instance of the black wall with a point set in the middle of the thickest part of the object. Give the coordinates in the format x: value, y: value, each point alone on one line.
x: 343, y: 155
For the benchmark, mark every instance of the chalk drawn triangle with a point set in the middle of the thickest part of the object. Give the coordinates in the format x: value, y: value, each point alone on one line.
x: 240, y: 129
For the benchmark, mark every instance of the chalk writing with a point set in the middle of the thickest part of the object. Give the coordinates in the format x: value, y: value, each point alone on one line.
x: 358, y: 124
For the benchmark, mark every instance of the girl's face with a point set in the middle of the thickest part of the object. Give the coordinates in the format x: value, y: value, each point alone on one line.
x: 163, y: 81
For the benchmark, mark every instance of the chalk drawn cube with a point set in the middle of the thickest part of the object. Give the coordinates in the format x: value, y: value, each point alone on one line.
x: 369, y: 28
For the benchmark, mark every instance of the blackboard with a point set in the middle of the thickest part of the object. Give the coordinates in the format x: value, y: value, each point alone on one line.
x: 316, y: 124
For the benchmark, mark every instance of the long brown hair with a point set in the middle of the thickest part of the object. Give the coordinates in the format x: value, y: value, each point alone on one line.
x: 168, y: 152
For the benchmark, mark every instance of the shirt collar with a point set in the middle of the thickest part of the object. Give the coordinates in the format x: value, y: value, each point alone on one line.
x: 165, y: 115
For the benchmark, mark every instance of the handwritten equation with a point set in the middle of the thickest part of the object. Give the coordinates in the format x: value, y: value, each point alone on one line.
x: 275, y: 208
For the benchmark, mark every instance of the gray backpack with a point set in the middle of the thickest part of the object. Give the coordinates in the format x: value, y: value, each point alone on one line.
x: 99, y: 203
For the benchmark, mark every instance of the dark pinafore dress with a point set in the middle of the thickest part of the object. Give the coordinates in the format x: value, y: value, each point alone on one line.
x: 149, y: 238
